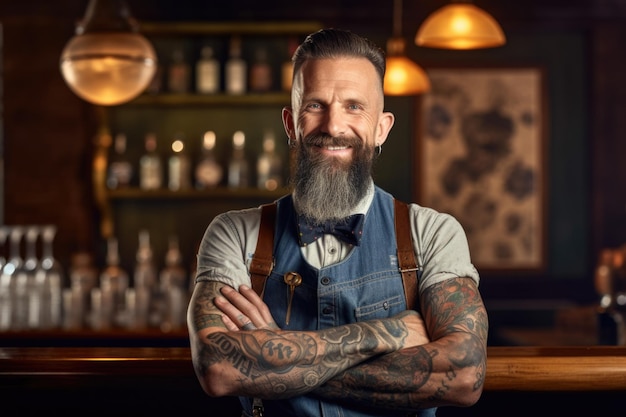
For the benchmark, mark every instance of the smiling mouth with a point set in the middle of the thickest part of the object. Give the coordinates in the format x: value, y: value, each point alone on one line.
x: 336, y: 148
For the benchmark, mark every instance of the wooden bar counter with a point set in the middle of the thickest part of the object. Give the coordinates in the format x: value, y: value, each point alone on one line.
x: 160, y: 381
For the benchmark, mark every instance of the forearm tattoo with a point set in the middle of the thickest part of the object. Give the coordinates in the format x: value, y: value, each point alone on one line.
x: 422, y: 376
x: 284, y: 364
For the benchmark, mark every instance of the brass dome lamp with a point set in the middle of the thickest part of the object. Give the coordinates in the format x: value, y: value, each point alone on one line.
x: 460, y: 25
x: 108, y: 62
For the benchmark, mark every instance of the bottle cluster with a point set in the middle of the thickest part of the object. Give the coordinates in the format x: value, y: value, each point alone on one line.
x: 224, y: 68
x: 31, y: 279
x: 37, y: 293
x: 178, y: 169
x: 143, y: 298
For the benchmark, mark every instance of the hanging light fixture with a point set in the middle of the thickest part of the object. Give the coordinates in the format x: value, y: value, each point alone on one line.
x: 403, y: 77
x: 108, y: 62
x: 460, y: 25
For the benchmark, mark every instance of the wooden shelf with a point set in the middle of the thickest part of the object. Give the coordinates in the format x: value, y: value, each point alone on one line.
x: 169, y: 99
x: 268, y: 28
x: 214, y: 193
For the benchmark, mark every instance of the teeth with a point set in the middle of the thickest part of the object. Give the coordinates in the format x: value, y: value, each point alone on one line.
x: 336, y: 148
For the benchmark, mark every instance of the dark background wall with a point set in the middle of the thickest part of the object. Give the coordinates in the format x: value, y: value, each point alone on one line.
x: 49, y: 132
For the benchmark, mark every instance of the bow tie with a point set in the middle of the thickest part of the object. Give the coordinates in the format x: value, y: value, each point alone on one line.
x: 349, y: 229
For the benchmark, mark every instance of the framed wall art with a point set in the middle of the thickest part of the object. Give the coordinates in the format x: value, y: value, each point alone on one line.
x: 481, y: 156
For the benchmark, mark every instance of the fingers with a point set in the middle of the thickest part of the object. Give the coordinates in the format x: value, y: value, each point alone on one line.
x: 245, y: 310
x: 259, y: 304
x: 230, y: 325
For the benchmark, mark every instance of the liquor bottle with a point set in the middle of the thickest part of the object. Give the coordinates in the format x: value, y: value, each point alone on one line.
x: 109, y: 301
x: 179, y: 166
x: 178, y: 76
x: 287, y: 66
x: 173, y: 288
x: 144, y: 283
x: 120, y: 168
x: 50, y: 277
x: 83, y: 279
x: 207, y: 72
x: 235, y: 69
x: 208, y: 172
x: 269, y: 165
x: 8, y: 278
x: 238, y: 170
x: 150, y: 167
x: 260, y: 72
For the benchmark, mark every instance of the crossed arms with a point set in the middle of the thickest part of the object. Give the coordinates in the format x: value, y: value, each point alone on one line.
x: 405, y: 362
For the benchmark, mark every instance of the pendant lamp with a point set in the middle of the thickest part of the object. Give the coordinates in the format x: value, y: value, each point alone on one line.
x: 108, y: 62
x: 403, y: 77
x: 460, y: 25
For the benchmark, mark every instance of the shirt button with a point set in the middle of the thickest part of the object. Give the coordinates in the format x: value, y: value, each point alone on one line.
x: 386, y: 305
x: 325, y: 281
x: 327, y: 310
x: 332, y: 251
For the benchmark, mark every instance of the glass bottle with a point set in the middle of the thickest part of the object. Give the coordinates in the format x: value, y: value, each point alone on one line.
x: 235, y: 69
x: 109, y: 301
x: 83, y: 279
x: 178, y: 76
x: 144, y: 282
x: 238, y: 170
x: 49, y: 278
x: 31, y: 302
x: 150, y: 167
x: 120, y: 168
x: 269, y: 165
x: 9, y: 263
x: 179, y: 166
x: 260, y: 72
x: 208, y: 171
x: 14, y: 266
x: 173, y: 288
x: 207, y: 72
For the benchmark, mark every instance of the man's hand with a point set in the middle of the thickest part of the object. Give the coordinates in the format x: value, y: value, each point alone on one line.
x: 244, y: 310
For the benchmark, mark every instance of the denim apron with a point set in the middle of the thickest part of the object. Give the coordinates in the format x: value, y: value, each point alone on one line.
x: 366, y: 285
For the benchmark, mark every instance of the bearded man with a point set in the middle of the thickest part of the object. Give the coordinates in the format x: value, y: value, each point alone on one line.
x: 331, y: 333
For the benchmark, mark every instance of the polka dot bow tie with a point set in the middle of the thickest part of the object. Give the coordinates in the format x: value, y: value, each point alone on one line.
x: 349, y: 229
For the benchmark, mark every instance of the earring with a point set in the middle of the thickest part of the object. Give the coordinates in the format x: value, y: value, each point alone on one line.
x: 379, y: 150
x: 291, y: 143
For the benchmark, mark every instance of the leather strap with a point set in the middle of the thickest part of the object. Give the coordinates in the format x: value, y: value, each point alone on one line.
x: 406, y: 255
x: 263, y: 258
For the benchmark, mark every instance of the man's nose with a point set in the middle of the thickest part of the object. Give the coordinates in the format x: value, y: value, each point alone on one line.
x: 334, y: 122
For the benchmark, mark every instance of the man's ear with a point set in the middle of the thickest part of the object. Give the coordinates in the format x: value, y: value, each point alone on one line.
x: 385, y: 123
x: 288, y: 123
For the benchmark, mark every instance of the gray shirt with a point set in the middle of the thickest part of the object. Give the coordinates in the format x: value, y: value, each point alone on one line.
x: 229, y: 242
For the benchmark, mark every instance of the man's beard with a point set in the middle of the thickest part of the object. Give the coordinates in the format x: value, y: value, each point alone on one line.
x: 329, y: 188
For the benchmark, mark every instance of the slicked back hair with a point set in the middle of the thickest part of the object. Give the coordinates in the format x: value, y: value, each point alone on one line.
x: 334, y: 43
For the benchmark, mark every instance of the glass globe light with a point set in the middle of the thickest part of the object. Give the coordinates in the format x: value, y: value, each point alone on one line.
x: 108, y: 62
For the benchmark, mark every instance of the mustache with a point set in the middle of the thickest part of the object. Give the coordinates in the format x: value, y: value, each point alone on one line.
x: 323, y: 139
